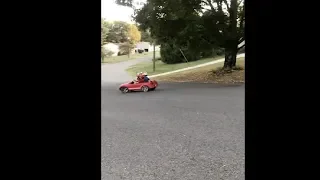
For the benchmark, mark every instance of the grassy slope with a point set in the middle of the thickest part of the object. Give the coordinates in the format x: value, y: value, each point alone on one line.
x: 162, y: 67
x: 204, y: 74
x: 116, y: 59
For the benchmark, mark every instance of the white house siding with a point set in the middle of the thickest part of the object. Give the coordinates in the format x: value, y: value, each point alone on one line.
x: 112, y: 47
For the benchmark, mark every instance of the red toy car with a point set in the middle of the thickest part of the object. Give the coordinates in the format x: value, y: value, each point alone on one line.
x: 136, y: 86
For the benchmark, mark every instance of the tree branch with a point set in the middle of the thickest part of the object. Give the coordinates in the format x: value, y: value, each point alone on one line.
x: 242, y: 19
x: 206, y: 8
x: 241, y: 40
x: 228, y: 7
x: 241, y: 46
x: 208, y: 2
x: 241, y: 22
x: 219, y: 5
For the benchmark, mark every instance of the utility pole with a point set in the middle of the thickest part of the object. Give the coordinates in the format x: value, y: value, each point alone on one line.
x: 154, y: 57
x: 129, y: 47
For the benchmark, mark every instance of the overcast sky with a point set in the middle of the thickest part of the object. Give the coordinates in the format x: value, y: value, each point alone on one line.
x: 113, y: 12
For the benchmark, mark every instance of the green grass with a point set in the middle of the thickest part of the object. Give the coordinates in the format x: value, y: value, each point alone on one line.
x: 116, y: 59
x: 162, y: 67
x: 207, y: 74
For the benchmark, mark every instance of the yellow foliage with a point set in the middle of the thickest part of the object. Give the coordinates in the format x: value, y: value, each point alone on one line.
x: 134, y: 34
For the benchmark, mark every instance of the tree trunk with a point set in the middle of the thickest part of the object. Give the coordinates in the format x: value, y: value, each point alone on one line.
x: 231, y: 51
x: 234, y: 58
x: 230, y: 58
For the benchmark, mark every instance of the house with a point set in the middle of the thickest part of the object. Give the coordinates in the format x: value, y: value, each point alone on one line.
x: 115, y: 48
x: 143, y: 46
x: 112, y: 47
x: 146, y: 46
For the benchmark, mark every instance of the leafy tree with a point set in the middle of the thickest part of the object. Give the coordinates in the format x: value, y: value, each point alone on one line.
x: 104, y: 33
x: 183, y: 33
x: 226, y: 20
x: 106, y: 52
x: 128, y: 3
x: 146, y: 36
x: 122, y: 32
x: 118, y: 32
x: 217, y: 23
x: 105, y: 26
x: 125, y: 48
x: 134, y: 34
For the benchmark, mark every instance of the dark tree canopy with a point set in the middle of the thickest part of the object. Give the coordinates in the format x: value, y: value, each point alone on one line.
x: 124, y: 2
x: 118, y: 32
x: 146, y: 36
x: 194, y: 26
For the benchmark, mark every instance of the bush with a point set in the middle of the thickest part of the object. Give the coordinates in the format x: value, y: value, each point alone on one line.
x: 106, y: 52
x: 208, y: 53
x: 212, y: 52
x: 171, y: 54
x: 219, y: 52
x: 124, y: 47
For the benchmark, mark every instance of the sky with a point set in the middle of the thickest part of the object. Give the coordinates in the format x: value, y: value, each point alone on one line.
x: 113, y: 12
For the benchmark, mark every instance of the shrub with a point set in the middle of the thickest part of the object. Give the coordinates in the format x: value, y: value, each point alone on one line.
x: 171, y: 54
x: 106, y: 52
x: 219, y: 52
x: 124, y: 47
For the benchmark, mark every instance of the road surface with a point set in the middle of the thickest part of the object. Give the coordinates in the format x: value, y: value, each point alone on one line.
x: 116, y: 72
x: 178, y: 132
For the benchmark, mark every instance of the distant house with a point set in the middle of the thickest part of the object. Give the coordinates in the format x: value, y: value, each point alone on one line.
x: 112, y: 47
x: 115, y: 48
x: 146, y: 46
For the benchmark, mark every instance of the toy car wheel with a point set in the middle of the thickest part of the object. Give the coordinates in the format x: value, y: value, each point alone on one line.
x: 145, y: 88
x: 124, y: 90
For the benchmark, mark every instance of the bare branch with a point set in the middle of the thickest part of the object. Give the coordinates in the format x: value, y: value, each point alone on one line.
x: 241, y: 40
x: 242, y: 22
x: 242, y: 18
x: 219, y: 5
x: 225, y: 2
x: 241, y: 46
x: 205, y: 8
x: 211, y: 5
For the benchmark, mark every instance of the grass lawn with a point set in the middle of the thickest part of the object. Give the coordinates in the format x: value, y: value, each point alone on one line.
x: 204, y: 74
x: 162, y: 67
x: 116, y: 59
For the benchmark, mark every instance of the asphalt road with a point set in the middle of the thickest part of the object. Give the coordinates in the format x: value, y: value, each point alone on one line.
x: 178, y: 132
x: 116, y: 72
